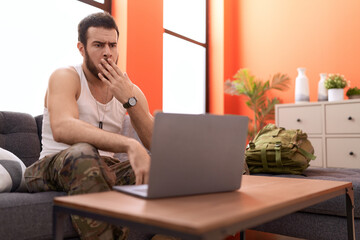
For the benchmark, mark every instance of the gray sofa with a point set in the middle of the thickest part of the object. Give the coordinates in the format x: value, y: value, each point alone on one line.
x: 325, y: 220
x: 29, y: 215
x: 25, y: 215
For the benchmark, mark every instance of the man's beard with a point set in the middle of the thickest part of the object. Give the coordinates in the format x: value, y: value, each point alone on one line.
x: 91, y: 66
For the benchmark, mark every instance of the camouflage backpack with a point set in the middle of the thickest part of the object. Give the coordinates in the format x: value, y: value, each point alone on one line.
x: 277, y: 150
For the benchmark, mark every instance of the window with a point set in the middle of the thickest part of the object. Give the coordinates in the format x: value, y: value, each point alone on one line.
x: 184, y: 56
x: 102, y: 4
x: 34, y: 43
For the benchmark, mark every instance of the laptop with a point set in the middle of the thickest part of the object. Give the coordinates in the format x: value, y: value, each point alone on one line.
x: 194, y: 154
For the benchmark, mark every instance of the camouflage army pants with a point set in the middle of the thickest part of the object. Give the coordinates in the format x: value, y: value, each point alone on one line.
x: 77, y: 170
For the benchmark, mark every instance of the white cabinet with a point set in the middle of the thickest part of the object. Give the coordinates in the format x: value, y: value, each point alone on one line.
x: 343, y: 118
x: 307, y: 118
x: 343, y: 152
x: 332, y: 127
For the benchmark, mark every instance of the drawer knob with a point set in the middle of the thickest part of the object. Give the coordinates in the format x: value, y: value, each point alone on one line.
x: 298, y: 120
x: 351, y: 153
x: 350, y: 118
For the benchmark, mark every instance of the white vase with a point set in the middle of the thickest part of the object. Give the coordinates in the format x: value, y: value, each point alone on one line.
x: 336, y: 94
x: 301, y: 87
x: 322, y: 91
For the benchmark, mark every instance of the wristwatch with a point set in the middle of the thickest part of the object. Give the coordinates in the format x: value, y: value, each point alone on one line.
x: 130, y: 103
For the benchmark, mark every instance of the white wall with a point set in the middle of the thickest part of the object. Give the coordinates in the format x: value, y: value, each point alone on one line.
x: 36, y: 38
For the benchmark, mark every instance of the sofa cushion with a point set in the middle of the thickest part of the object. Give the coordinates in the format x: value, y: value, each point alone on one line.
x: 310, y: 226
x: 19, y: 135
x: 11, y: 172
x: 30, y: 215
x: 337, y: 205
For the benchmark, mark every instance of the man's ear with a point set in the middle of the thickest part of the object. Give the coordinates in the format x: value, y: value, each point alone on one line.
x: 81, y: 48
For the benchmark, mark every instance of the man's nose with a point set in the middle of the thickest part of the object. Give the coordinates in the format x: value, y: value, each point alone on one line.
x: 107, y: 51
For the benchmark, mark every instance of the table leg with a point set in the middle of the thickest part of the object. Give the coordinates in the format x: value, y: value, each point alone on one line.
x: 350, y: 213
x: 242, y: 235
x: 58, y: 224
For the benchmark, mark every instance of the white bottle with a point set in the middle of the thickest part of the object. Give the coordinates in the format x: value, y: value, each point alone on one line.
x: 301, y: 87
x: 322, y: 91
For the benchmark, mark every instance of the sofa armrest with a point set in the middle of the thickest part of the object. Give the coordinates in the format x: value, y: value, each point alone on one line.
x: 19, y: 135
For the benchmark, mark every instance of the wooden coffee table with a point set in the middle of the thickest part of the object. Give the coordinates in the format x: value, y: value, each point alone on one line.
x: 210, y: 216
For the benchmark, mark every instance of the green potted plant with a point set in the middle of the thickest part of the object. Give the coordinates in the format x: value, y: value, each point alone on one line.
x: 335, y: 84
x: 353, y: 93
x: 263, y: 107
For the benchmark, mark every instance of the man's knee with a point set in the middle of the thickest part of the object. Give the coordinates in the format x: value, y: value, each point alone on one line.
x: 81, y: 149
x: 83, y: 168
x: 80, y: 157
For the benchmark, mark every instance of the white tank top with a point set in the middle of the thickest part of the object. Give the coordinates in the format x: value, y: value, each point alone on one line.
x: 91, y: 111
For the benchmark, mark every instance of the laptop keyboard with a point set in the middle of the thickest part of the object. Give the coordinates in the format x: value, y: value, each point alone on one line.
x: 141, y: 188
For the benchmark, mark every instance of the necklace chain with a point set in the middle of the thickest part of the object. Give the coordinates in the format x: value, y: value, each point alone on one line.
x: 105, y: 110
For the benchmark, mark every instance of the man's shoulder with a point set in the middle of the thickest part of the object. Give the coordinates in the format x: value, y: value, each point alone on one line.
x: 65, y: 77
x: 66, y: 71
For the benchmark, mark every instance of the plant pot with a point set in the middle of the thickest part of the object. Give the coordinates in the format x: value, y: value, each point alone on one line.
x: 354, y: 96
x: 335, y: 94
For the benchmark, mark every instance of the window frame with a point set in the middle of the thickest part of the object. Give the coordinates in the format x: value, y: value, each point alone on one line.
x: 205, y: 45
x: 106, y: 6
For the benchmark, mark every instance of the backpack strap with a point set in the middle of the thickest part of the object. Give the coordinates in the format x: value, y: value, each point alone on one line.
x: 278, y: 154
x: 263, y: 159
x: 307, y: 154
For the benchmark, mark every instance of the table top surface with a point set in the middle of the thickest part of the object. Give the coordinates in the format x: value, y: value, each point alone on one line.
x: 260, y: 199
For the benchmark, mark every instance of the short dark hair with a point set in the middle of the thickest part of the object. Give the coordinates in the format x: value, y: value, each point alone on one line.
x: 101, y: 19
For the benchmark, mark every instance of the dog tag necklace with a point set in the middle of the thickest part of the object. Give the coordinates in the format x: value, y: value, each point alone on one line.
x: 98, y: 112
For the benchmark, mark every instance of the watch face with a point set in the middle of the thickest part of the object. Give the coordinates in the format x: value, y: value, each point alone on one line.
x: 132, y: 101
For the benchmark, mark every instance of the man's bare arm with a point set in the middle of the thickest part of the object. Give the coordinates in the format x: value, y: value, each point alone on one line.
x: 63, y: 90
x: 122, y: 88
x: 141, y: 119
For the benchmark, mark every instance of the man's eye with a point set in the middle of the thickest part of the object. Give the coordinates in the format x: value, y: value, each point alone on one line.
x: 98, y: 45
x: 113, y: 45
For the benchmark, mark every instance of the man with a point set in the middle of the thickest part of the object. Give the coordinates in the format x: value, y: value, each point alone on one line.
x: 84, y: 110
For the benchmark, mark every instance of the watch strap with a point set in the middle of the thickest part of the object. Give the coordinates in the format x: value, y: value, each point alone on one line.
x: 128, y: 105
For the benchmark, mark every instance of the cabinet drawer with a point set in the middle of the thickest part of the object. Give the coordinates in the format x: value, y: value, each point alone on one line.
x: 342, y: 118
x: 343, y: 152
x: 317, y: 144
x: 306, y: 118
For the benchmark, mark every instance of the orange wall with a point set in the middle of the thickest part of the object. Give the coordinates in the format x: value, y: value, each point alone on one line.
x: 143, y: 46
x: 281, y: 35
x: 265, y: 36
x: 233, y: 104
